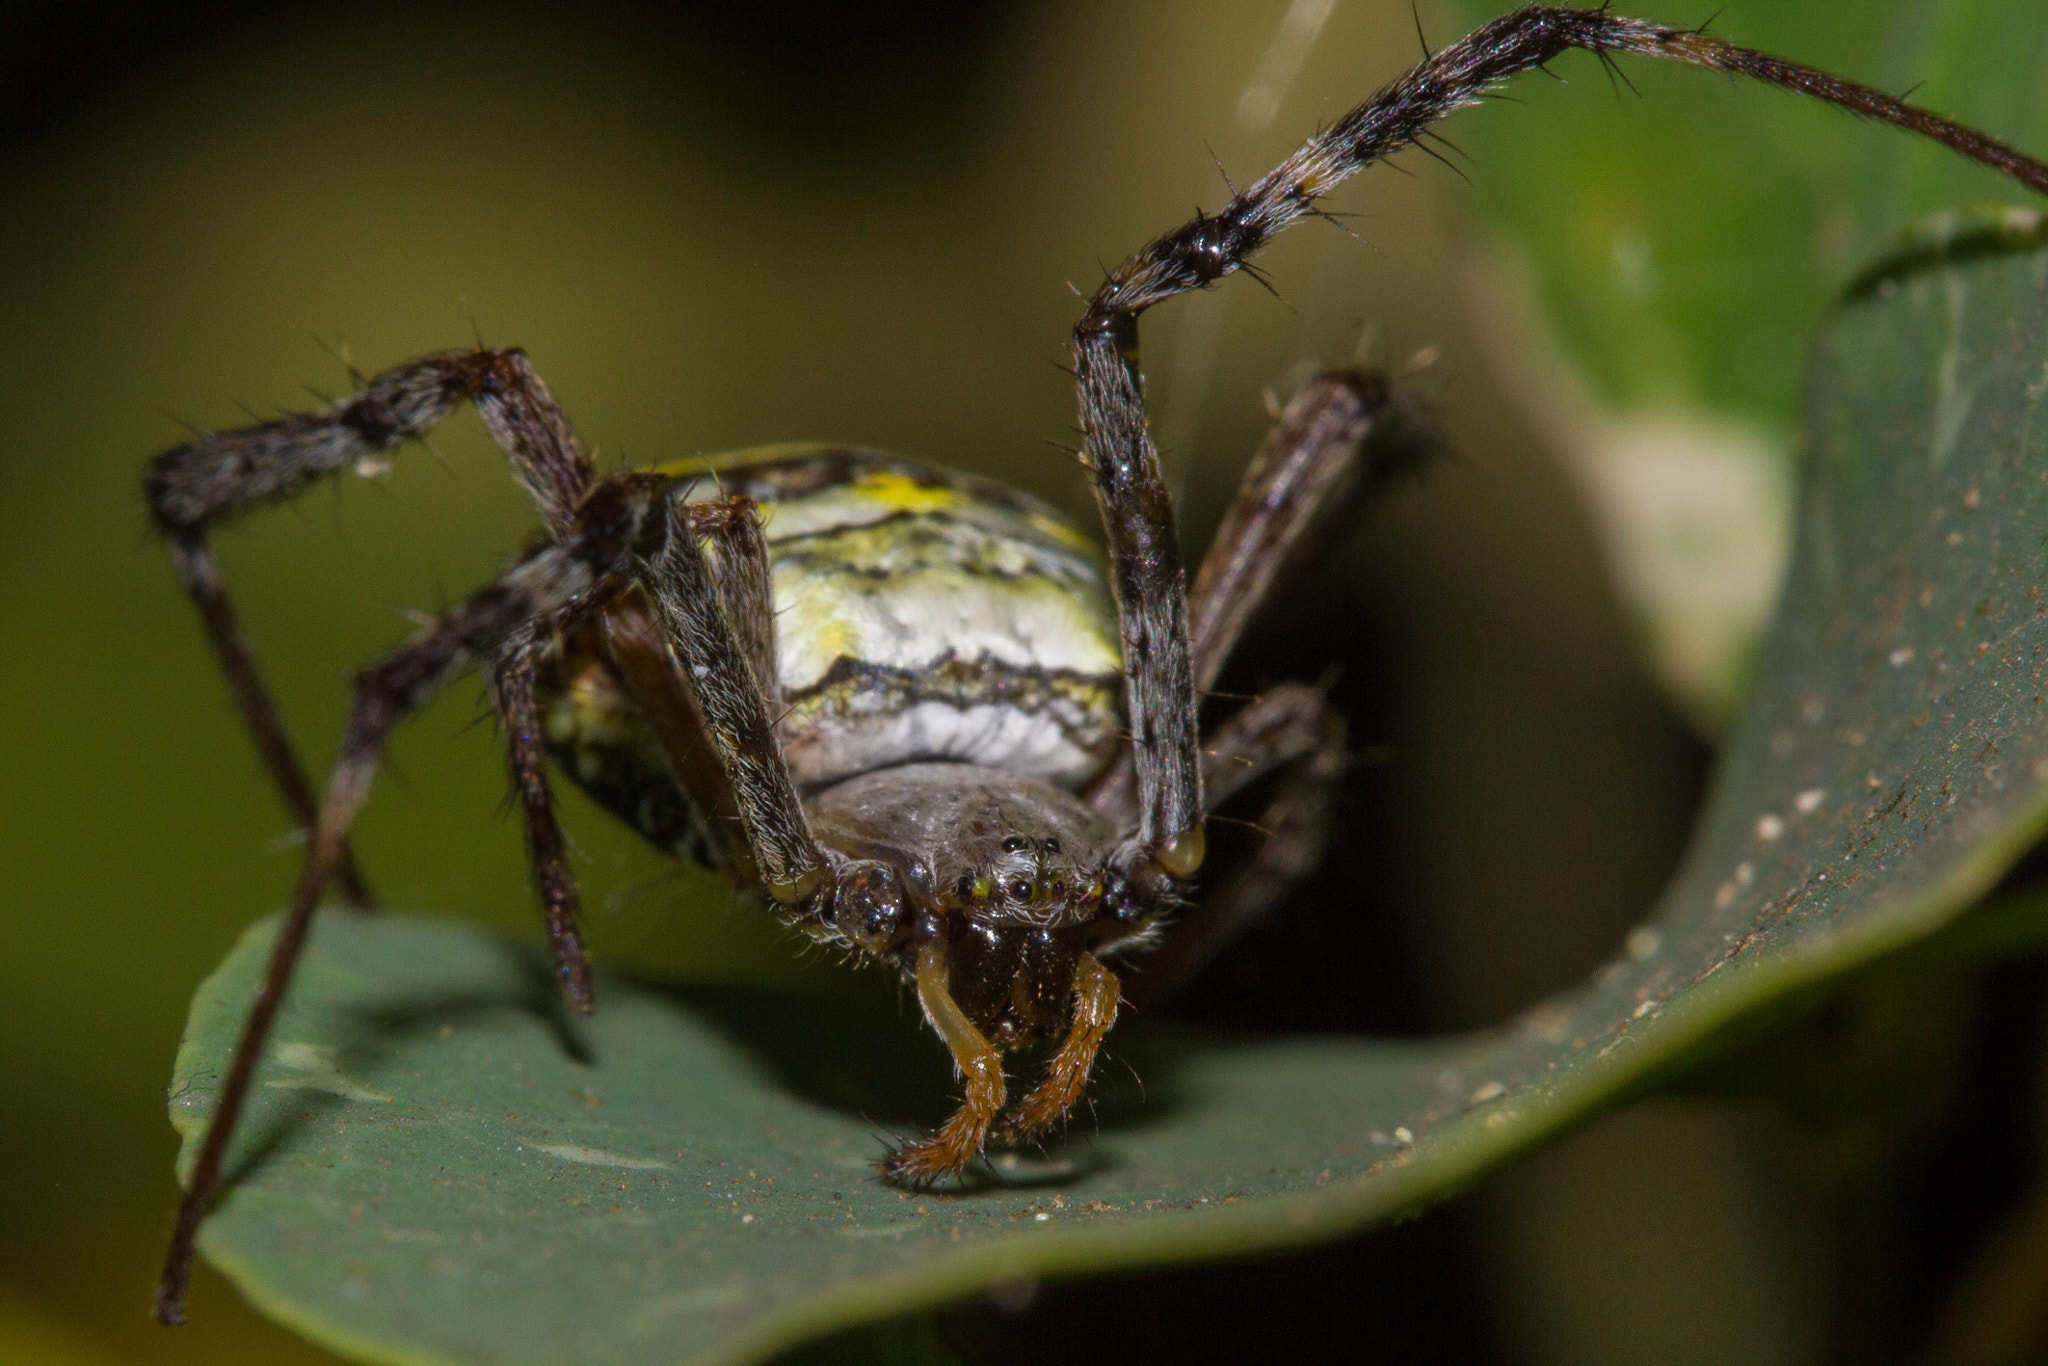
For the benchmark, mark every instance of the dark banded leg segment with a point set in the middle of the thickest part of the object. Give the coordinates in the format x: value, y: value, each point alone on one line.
x: 1150, y: 584
x: 727, y: 534
x: 556, y: 585
x: 1291, y: 730
x: 554, y: 885
x: 729, y: 531
x: 225, y: 474
x: 1342, y: 437
x: 200, y: 574
x: 697, y: 596
x: 639, y: 652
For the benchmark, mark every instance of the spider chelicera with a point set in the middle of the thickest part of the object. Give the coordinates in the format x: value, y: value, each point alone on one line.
x: 916, y: 711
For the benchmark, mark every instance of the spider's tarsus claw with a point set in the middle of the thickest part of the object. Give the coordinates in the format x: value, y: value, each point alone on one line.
x: 921, y: 1165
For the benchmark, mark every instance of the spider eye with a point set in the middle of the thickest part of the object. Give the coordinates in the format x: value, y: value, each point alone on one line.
x: 965, y: 886
x: 1021, y: 890
x: 1014, y: 843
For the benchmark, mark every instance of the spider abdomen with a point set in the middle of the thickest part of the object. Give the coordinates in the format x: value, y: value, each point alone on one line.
x: 920, y: 615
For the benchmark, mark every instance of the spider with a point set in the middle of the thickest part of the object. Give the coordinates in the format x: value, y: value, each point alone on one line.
x: 915, y: 712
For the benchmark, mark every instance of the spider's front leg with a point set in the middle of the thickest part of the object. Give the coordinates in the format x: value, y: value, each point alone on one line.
x: 710, y: 673
x: 701, y: 664
x: 1117, y: 448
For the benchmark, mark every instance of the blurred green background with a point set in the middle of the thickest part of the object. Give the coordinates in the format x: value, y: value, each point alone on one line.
x: 717, y: 227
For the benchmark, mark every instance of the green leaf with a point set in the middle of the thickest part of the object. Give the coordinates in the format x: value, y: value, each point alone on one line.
x: 1675, y: 252
x: 437, y: 1168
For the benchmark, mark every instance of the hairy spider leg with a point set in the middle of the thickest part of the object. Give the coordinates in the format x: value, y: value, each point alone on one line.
x: 638, y: 648
x: 701, y: 610
x: 618, y: 523
x: 961, y: 1138
x: 647, y: 670
x: 200, y: 573
x: 1293, y: 732
x: 1096, y: 994
x: 222, y: 475
x: 1342, y: 437
x: 1117, y: 447
x: 511, y: 681
x: 729, y: 529
x: 1146, y: 568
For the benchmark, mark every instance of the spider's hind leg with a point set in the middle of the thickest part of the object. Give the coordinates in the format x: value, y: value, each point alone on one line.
x: 200, y: 573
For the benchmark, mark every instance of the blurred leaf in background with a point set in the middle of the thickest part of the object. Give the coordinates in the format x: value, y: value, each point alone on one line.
x: 1659, y: 257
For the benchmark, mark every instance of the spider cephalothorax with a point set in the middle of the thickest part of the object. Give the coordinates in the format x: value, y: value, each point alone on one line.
x: 914, y: 710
